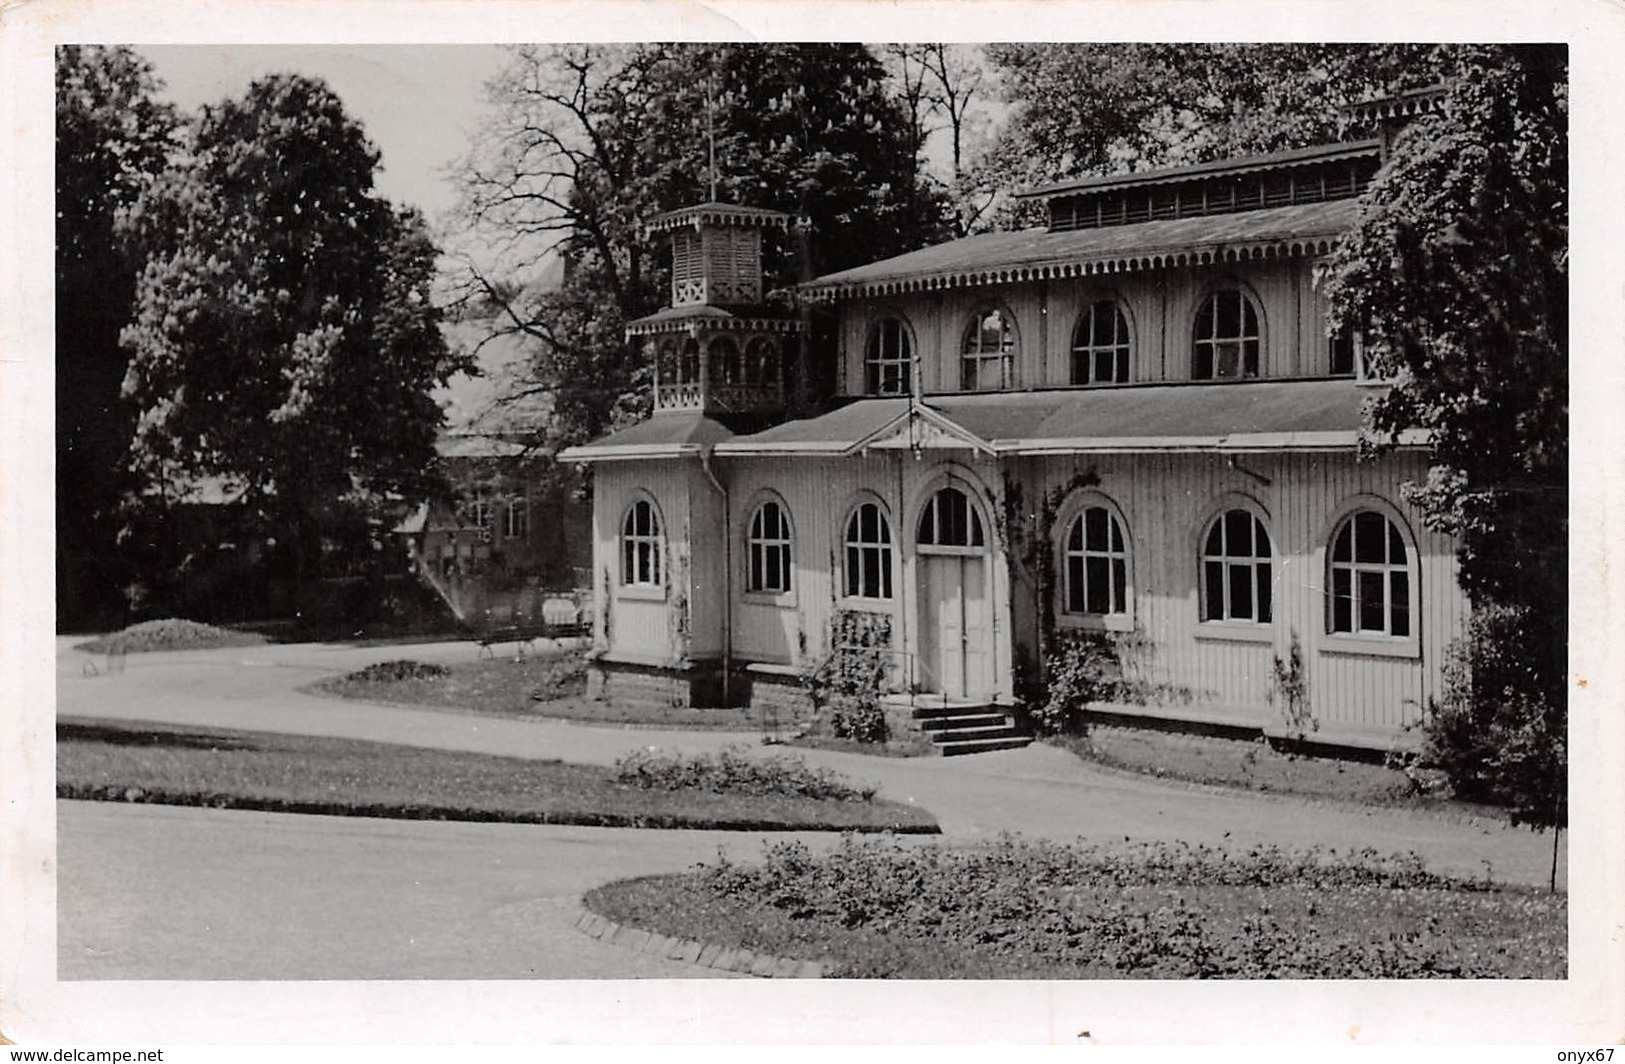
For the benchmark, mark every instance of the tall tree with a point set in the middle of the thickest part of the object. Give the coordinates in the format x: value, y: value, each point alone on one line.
x: 112, y: 138
x: 284, y: 345
x: 1083, y: 109
x: 585, y: 141
x: 1457, y: 277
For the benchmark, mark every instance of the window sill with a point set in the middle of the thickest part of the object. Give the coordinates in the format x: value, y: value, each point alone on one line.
x: 1235, y: 632
x: 782, y: 600
x: 866, y: 605
x: 1095, y: 622
x: 635, y: 593
x: 1372, y: 646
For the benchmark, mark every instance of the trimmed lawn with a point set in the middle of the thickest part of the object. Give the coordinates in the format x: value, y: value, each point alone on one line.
x: 540, y: 685
x: 1020, y: 910
x: 143, y: 762
x: 1254, y: 766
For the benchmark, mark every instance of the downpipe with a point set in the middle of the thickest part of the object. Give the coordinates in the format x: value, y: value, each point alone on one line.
x: 727, y: 575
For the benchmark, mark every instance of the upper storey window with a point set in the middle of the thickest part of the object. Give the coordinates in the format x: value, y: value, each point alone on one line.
x: 1226, y: 341
x: 987, y: 354
x: 1100, y: 345
x: 888, y: 359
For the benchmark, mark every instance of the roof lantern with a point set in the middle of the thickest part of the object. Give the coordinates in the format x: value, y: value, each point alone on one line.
x: 716, y: 348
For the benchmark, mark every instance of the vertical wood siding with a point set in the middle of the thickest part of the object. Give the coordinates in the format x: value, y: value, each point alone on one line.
x: 1160, y: 307
x: 1167, y: 501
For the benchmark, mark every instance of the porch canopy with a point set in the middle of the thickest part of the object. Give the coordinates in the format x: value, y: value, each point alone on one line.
x: 1270, y: 415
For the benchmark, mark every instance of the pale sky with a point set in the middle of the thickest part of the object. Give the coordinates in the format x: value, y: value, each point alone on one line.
x: 418, y: 103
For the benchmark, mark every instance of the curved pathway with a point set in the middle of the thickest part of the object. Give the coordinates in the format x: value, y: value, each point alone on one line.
x: 480, y: 900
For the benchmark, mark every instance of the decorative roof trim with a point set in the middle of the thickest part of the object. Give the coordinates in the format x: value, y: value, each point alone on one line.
x: 1232, y: 443
x: 970, y: 278
x: 717, y: 214
x: 1410, y: 104
x: 712, y: 323
x: 889, y: 434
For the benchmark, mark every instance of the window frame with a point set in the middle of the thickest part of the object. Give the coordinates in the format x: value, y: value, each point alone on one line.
x: 1006, y: 356
x: 874, y: 344
x: 976, y: 523
x: 1248, y: 629
x: 1070, y: 515
x: 1249, y: 301
x: 885, y: 549
x: 1368, y: 642
x: 654, y: 541
x: 520, y: 529
x: 783, y: 547
x: 1091, y: 351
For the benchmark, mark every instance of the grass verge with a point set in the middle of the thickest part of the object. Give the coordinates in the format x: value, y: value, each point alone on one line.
x: 1017, y: 909
x: 142, y: 762
x: 1256, y: 766
x: 546, y: 685
x: 171, y: 633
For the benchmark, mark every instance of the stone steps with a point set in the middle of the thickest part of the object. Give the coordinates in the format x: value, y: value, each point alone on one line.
x: 956, y: 728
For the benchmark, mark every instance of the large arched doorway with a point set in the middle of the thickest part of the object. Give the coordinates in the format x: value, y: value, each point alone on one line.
x: 956, y: 610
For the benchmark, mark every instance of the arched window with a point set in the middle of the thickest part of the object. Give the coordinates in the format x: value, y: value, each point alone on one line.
x: 868, y: 553
x: 641, y: 546
x: 688, y: 367
x: 1236, y: 569
x: 1370, y: 578
x: 949, y: 520
x: 1100, y: 346
x: 1095, y: 570
x: 726, y: 365
x: 518, y: 523
x: 1226, y: 341
x: 761, y: 361
x: 769, y: 550
x: 666, y: 365
x: 888, y: 359
x: 987, y: 353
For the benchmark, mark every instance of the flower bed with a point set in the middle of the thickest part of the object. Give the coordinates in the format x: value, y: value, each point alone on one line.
x: 1018, y: 909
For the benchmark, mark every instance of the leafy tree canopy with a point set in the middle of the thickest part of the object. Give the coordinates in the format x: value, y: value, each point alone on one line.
x: 284, y: 344
x: 1457, y: 276
x: 1084, y: 109
x: 112, y: 138
x: 584, y: 142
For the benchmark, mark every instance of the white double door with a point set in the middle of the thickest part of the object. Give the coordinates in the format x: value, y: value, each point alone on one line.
x: 956, y: 629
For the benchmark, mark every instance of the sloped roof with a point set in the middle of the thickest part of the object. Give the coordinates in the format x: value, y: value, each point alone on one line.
x: 1033, y: 254
x: 710, y: 317
x: 485, y: 402
x: 1187, y: 416
x: 1245, y: 164
x: 715, y: 213
x: 665, y: 435
x: 475, y: 445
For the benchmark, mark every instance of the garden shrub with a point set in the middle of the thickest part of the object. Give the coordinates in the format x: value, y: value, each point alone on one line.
x: 1499, y: 733
x: 170, y: 633
x: 732, y: 771
x: 397, y: 672
x: 1082, y: 668
x: 847, y: 683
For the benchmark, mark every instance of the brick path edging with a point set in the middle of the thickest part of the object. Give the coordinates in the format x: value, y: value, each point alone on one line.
x: 705, y: 954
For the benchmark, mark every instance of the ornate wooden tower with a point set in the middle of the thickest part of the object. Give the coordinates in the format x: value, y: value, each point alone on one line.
x: 717, y: 349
